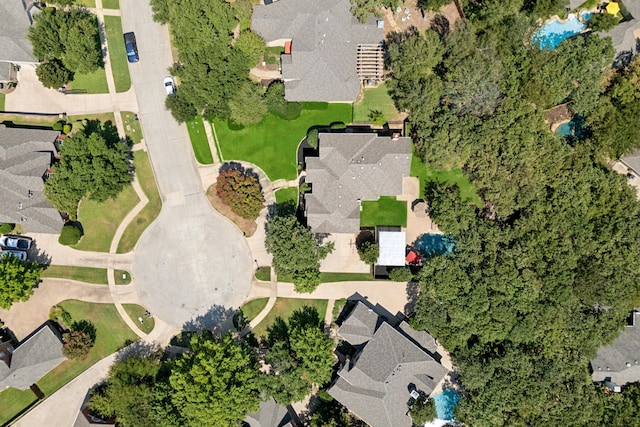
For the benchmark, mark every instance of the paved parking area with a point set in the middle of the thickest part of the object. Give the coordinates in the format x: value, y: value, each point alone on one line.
x: 344, y: 257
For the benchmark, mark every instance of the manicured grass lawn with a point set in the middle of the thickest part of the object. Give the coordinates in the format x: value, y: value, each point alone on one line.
x: 468, y: 191
x: 375, y: 99
x: 46, y: 121
x: 251, y: 309
x: 78, y: 120
x: 1, y: 101
x: 289, y: 194
x: 97, y: 276
x: 199, y: 141
x: 284, y: 307
x: 112, y: 334
x: 136, y: 311
x: 131, y: 126
x: 12, y: 401
x: 345, y: 277
x: 118, y: 277
x: 110, y: 4
x: 100, y: 220
x: 117, y: 51
x: 87, y: 3
x: 272, y: 143
x: 95, y: 82
x: 263, y: 273
x: 151, y: 210
x: 384, y: 211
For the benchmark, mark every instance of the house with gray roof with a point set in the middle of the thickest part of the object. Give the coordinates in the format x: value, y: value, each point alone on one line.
x: 618, y: 363
x: 626, y: 34
x: 329, y: 48
x: 26, y: 156
x: 352, y: 167
x: 32, y: 359
x: 16, y: 16
x: 270, y: 414
x: 391, y: 361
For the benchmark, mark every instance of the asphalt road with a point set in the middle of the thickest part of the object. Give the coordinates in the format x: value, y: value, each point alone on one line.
x: 191, y: 263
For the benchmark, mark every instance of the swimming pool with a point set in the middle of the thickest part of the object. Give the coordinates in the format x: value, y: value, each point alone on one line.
x: 446, y: 403
x: 431, y: 244
x: 565, y: 129
x: 555, y: 32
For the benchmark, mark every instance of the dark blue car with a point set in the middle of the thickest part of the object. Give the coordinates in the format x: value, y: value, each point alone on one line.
x: 131, y: 46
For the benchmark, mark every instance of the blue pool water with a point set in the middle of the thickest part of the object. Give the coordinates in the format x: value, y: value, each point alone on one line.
x: 565, y: 129
x: 432, y: 244
x: 445, y: 403
x: 555, y: 32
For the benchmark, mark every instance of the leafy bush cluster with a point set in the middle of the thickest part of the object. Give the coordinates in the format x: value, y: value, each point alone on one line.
x: 79, y: 340
x: 369, y: 252
x: 401, y: 274
x: 278, y: 105
x: 423, y: 410
x: 70, y: 235
x: 6, y: 227
x: 241, y: 191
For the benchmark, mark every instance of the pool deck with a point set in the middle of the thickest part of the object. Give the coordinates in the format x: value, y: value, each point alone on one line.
x: 415, y: 226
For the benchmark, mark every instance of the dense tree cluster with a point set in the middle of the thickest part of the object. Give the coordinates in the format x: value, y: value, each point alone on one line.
x: 240, y: 190
x: 296, y: 252
x: 68, y: 41
x: 17, y: 279
x: 543, y: 273
x: 93, y: 163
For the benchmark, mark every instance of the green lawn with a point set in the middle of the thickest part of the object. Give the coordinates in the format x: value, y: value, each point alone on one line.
x: 12, y: 401
x: 151, y: 210
x: 272, y: 143
x: 110, y: 4
x: 375, y: 99
x: 122, y: 277
x: 272, y: 54
x: 289, y: 194
x: 97, y: 276
x: 1, y: 101
x: 112, y: 334
x: 135, y: 312
x: 199, y: 141
x: 344, y: 277
x: 263, y: 273
x: 102, y: 117
x: 46, y: 121
x: 131, y: 126
x: 100, y: 220
x: 284, y: 307
x: 117, y: 52
x: 468, y: 191
x: 384, y: 211
x: 251, y: 309
x: 87, y: 3
x: 95, y: 82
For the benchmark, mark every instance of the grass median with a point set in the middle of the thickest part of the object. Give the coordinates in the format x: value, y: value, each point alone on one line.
x: 117, y: 52
x: 199, y: 141
x: 137, y: 312
x: 97, y: 276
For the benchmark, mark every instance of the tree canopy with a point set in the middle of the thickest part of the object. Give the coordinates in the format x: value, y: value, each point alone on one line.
x: 240, y: 190
x: 17, y: 279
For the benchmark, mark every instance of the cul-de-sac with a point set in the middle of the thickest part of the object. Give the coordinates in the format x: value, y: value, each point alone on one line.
x: 319, y: 213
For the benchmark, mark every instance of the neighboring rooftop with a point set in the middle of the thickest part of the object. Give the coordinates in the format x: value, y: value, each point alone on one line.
x: 325, y: 40
x: 25, y: 157
x: 38, y: 354
x: 625, y: 35
x: 352, y: 167
x: 632, y: 161
x: 271, y: 414
x: 375, y: 384
x: 392, y: 246
x: 619, y: 362
x: 15, y: 20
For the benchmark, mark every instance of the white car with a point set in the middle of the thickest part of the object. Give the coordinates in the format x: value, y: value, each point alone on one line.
x: 21, y: 255
x: 169, y: 85
x: 15, y: 242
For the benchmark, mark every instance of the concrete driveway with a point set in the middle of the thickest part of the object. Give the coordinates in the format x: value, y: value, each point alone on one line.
x: 191, y: 261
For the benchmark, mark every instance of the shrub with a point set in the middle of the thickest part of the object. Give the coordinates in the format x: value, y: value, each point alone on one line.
x: 278, y: 105
x: 241, y: 192
x: 312, y: 138
x: 66, y: 128
x: 376, y: 117
x: 6, y: 227
x: 77, y: 344
x: 70, y: 235
x: 251, y: 45
x: 58, y: 125
x: 369, y: 252
x: 65, y: 316
x: 53, y: 74
x: 338, y: 126
x: 402, y: 274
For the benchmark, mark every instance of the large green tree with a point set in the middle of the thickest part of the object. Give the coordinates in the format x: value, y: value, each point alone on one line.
x: 296, y: 252
x: 17, y: 279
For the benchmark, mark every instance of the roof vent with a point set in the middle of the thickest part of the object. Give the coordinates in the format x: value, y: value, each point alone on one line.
x: 628, y: 364
x: 414, y: 394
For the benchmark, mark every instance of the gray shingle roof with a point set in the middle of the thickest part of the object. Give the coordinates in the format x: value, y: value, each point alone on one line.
x: 376, y: 383
x: 25, y: 155
x: 325, y: 36
x: 622, y: 35
x: 32, y: 359
x: 620, y: 360
x: 271, y: 414
x: 15, y: 21
x: 5, y: 71
x: 352, y: 166
x: 632, y: 160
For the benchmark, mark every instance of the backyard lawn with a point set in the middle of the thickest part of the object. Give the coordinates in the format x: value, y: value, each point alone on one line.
x: 284, y: 307
x: 100, y: 220
x: 272, y: 143
x: 251, y: 309
x: 289, y: 194
x: 468, y: 191
x: 131, y: 126
x: 151, y: 210
x: 95, y: 82
x: 12, y: 401
x: 93, y: 275
x: 375, y: 99
x: 112, y: 334
x: 136, y: 312
x: 199, y: 141
x: 117, y: 52
x: 384, y: 211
